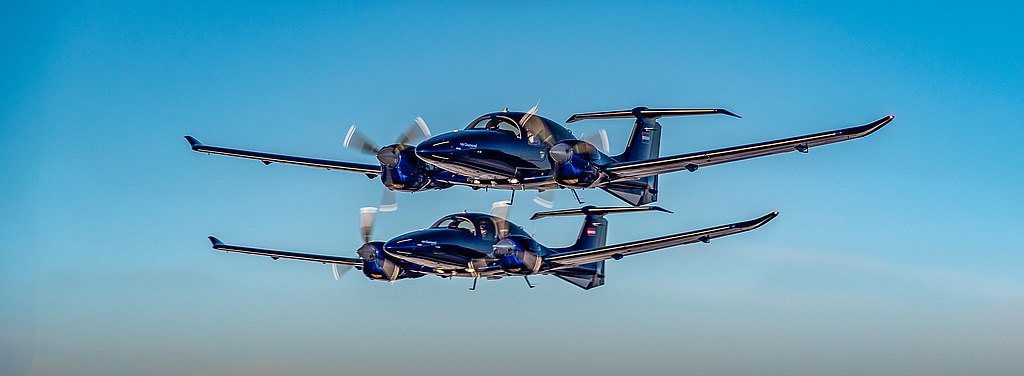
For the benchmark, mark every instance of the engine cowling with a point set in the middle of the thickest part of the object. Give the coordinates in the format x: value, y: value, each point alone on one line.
x: 401, y: 169
x: 375, y: 263
x: 516, y: 254
x: 573, y: 163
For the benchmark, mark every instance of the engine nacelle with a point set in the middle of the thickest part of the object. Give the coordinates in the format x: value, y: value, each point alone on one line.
x: 375, y: 263
x: 516, y: 254
x: 573, y: 163
x: 401, y: 169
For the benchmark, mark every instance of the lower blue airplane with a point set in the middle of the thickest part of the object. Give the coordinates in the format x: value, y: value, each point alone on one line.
x: 478, y: 245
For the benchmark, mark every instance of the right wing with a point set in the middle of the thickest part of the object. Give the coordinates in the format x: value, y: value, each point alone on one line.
x: 637, y: 169
x: 268, y: 158
x: 220, y: 246
x: 574, y: 258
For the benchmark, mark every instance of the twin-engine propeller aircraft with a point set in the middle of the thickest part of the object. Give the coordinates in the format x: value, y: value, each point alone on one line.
x: 487, y: 245
x: 524, y: 151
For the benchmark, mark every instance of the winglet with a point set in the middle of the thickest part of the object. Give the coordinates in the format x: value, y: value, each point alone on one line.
x: 755, y: 223
x: 866, y: 129
x: 193, y: 141
x: 216, y: 242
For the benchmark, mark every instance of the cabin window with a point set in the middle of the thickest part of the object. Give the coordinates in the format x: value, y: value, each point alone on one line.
x: 456, y: 223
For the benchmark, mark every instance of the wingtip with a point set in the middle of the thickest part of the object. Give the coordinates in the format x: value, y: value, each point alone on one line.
x: 755, y: 223
x: 193, y: 141
x: 571, y: 119
x: 661, y: 209
x: 730, y: 113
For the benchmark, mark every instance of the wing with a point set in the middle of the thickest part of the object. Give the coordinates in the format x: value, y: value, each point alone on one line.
x: 574, y: 258
x: 637, y: 169
x: 220, y: 246
x: 268, y: 158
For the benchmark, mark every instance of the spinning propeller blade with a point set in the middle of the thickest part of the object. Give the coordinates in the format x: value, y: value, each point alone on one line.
x: 598, y: 139
x: 417, y: 131
x: 499, y: 209
x: 530, y: 113
x: 388, y: 201
x: 366, y: 217
x: 546, y: 198
x: 340, y: 271
x: 356, y: 140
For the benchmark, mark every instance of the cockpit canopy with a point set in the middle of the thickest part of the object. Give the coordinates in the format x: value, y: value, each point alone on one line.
x: 537, y: 129
x: 484, y: 226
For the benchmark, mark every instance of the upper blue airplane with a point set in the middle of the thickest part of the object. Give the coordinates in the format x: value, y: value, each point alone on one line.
x: 524, y: 151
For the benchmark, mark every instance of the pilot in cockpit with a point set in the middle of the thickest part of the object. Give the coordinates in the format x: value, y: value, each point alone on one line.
x: 492, y: 125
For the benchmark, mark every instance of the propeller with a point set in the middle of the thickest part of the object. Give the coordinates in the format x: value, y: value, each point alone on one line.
x: 414, y: 133
x: 366, y: 251
x: 388, y: 156
x: 598, y: 139
x: 388, y: 201
x: 499, y: 209
x: 530, y: 113
x: 546, y: 198
x: 366, y: 217
x: 340, y: 271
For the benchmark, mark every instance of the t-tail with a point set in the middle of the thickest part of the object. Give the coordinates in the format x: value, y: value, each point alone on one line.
x: 644, y: 143
x: 593, y: 234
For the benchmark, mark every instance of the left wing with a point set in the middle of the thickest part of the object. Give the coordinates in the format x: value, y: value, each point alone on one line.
x: 637, y: 169
x: 220, y: 246
x: 268, y: 158
x: 574, y: 258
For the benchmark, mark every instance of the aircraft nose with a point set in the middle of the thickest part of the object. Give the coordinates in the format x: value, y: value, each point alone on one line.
x: 434, y: 148
x: 404, y: 246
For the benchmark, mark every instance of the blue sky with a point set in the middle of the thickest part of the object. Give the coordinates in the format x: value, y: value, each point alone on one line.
x: 900, y: 253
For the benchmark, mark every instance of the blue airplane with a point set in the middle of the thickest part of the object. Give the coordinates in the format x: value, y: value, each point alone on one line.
x: 524, y: 151
x: 475, y: 245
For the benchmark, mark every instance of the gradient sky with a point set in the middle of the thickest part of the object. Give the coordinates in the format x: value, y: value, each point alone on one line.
x: 901, y: 253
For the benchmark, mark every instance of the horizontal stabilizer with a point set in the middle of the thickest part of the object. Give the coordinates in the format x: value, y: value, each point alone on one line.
x: 589, y: 210
x: 644, y: 112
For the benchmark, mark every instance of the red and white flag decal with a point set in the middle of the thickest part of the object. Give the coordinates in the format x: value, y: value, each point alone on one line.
x: 591, y: 231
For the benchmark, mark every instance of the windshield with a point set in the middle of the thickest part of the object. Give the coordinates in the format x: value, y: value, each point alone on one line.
x: 496, y: 123
x: 456, y: 223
